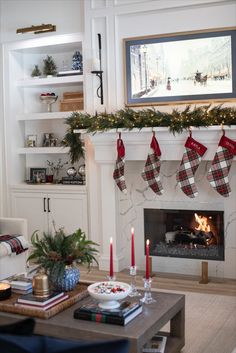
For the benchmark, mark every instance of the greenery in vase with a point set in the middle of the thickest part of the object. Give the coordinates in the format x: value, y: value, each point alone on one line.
x: 50, y: 67
x: 53, y: 252
x: 36, y: 72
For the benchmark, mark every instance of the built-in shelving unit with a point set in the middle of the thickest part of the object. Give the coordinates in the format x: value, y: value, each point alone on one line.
x: 26, y: 116
x: 25, y: 113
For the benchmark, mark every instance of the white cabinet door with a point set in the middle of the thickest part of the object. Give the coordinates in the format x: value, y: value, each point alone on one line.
x: 33, y: 207
x: 68, y: 211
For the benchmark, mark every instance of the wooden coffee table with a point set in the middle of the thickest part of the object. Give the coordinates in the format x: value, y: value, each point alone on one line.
x: 169, y: 307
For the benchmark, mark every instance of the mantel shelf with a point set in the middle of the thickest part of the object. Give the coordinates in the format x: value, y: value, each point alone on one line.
x: 33, y: 82
x: 137, y: 142
x: 43, y: 150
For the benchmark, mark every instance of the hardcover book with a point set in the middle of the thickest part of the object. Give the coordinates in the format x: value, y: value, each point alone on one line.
x: 157, y: 344
x: 46, y: 306
x: 120, y: 316
x: 69, y: 73
x: 38, y: 301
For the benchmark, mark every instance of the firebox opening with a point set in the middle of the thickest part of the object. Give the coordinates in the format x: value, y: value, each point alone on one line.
x: 195, y: 234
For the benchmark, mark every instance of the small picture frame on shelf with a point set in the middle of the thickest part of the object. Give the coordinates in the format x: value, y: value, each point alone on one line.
x: 49, y: 140
x: 31, y: 141
x: 38, y: 175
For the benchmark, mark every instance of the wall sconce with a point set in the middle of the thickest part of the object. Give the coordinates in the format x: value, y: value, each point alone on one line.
x: 99, y: 73
x: 37, y: 29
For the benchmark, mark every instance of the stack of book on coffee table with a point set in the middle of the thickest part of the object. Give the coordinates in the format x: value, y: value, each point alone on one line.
x: 21, y: 287
x: 31, y: 301
x: 119, y: 316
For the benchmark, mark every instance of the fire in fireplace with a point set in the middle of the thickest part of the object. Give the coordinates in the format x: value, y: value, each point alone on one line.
x: 195, y: 234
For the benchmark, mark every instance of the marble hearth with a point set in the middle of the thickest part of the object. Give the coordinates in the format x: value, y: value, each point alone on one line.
x: 112, y: 214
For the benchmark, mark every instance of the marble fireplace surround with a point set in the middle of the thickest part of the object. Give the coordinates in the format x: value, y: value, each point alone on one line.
x: 112, y: 213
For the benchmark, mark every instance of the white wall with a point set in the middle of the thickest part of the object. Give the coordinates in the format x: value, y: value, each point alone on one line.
x: 119, y: 19
x: 66, y: 15
x: 116, y: 20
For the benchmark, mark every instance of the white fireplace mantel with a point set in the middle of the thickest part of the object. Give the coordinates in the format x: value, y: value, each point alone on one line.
x: 111, y: 213
x: 137, y: 142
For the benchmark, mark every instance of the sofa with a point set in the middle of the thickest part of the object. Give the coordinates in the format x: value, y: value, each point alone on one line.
x: 19, y: 338
x: 12, y: 264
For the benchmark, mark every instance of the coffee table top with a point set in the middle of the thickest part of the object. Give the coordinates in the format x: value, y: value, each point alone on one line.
x: 139, y: 330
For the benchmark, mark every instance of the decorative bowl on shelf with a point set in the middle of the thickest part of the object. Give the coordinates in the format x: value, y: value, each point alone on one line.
x: 71, y: 172
x: 108, y: 293
x: 49, y: 99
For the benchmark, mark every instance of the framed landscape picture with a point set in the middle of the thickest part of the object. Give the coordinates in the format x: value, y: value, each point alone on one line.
x: 181, y: 68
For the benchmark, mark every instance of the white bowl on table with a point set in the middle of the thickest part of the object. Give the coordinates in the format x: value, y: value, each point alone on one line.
x: 108, y: 293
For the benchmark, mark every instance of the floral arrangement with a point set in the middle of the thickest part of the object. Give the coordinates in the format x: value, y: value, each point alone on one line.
x: 53, y: 252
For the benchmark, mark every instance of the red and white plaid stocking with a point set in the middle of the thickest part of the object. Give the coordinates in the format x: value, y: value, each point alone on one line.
x: 188, y: 166
x: 221, y: 164
x: 151, y: 172
x: 118, y: 174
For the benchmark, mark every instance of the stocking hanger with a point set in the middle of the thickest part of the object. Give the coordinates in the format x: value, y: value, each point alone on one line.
x: 222, y: 128
x: 190, y: 131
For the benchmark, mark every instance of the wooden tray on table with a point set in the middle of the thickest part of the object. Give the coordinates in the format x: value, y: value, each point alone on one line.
x: 77, y: 294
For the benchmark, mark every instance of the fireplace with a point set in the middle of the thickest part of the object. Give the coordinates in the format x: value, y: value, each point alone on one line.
x: 185, y: 233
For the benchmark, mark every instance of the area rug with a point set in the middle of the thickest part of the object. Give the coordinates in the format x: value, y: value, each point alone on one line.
x: 210, y: 323
x: 210, y: 319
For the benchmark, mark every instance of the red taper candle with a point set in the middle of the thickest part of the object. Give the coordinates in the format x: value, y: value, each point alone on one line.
x: 111, y: 258
x: 147, y: 260
x: 132, y: 248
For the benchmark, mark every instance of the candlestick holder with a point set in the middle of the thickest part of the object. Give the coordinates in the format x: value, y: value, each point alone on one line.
x: 111, y: 278
x: 147, y: 299
x: 134, y: 292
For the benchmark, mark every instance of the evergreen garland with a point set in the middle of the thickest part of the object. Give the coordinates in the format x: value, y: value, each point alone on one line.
x: 177, y: 121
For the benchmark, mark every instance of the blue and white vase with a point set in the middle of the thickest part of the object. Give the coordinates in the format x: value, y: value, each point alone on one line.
x: 69, y: 280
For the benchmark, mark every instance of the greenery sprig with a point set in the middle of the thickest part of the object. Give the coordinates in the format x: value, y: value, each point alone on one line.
x: 128, y: 118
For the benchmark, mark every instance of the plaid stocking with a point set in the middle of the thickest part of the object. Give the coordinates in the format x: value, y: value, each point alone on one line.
x: 151, y: 172
x: 118, y: 174
x: 221, y: 164
x: 188, y: 166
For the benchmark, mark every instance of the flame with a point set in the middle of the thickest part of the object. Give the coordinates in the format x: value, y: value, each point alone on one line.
x: 202, y: 223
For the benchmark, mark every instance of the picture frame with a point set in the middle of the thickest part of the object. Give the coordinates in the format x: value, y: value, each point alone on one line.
x: 31, y: 141
x: 185, y: 67
x: 49, y: 140
x: 38, y: 175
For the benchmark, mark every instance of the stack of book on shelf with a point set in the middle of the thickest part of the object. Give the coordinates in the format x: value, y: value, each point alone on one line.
x: 157, y: 344
x: 31, y: 301
x: 72, y: 101
x: 72, y: 180
x: 69, y: 73
x: 120, y: 316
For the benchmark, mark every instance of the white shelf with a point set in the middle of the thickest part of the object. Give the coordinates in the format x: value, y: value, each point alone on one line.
x: 45, y: 81
x: 45, y: 116
x: 48, y: 187
x: 43, y: 150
